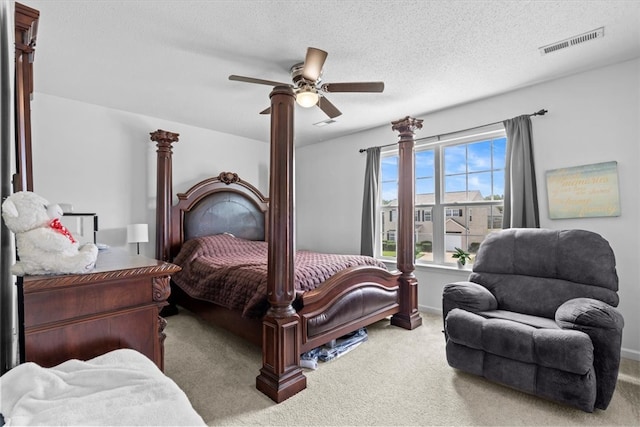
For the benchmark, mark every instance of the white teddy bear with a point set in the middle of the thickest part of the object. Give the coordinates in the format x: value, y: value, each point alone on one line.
x: 44, y: 245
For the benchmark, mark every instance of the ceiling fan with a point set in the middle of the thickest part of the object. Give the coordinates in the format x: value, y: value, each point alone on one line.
x: 308, y: 87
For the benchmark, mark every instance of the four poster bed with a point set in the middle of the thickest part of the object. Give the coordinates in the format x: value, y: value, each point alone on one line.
x: 220, y: 225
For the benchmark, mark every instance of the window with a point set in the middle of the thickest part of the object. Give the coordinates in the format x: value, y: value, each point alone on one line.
x: 459, y: 194
x: 422, y: 215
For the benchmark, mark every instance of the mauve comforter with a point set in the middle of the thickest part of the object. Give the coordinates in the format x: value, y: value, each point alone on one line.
x: 232, y: 272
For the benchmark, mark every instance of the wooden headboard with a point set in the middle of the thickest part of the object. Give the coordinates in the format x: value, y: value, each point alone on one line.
x: 224, y: 204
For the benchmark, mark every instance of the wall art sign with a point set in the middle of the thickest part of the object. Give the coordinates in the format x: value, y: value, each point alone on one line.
x: 584, y: 191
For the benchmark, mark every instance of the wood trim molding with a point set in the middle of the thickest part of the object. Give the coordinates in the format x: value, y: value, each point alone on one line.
x: 33, y: 283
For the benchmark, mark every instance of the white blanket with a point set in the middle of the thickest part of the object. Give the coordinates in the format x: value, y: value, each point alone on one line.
x: 122, y: 387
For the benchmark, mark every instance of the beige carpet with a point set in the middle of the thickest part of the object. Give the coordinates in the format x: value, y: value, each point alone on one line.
x: 397, y: 377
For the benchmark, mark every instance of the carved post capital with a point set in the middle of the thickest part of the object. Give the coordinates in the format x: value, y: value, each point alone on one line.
x: 406, y: 126
x: 164, y: 136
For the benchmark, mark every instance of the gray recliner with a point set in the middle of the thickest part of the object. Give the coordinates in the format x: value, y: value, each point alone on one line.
x: 537, y: 314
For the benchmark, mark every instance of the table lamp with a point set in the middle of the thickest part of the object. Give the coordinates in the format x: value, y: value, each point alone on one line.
x: 137, y: 233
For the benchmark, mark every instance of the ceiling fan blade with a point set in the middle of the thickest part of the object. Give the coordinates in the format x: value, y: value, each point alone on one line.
x: 328, y: 108
x: 313, y: 64
x: 354, y: 87
x: 266, y: 111
x: 258, y: 81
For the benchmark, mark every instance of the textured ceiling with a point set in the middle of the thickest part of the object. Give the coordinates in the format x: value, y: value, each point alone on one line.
x: 172, y: 59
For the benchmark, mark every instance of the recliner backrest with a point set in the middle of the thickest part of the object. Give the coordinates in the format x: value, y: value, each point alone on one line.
x: 533, y: 271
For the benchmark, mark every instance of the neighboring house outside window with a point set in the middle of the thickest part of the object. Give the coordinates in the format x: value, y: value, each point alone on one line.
x: 458, y: 200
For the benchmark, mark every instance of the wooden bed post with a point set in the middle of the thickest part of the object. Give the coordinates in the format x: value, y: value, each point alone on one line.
x: 281, y: 376
x: 408, y: 316
x: 164, y: 195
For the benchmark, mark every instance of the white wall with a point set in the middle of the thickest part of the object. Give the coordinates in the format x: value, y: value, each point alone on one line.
x: 102, y: 160
x: 593, y: 117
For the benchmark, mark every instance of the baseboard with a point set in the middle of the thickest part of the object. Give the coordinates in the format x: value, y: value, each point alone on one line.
x: 624, y: 352
x: 630, y: 354
x: 427, y: 309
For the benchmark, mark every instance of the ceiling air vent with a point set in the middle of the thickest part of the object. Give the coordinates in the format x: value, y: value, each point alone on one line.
x: 563, y: 44
x: 324, y: 123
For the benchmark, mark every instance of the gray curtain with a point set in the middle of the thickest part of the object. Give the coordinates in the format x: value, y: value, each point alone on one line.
x: 520, y: 192
x: 8, y: 349
x: 371, y: 174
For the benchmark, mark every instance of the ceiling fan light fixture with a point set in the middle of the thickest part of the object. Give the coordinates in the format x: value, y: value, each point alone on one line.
x: 307, y: 98
x: 307, y: 87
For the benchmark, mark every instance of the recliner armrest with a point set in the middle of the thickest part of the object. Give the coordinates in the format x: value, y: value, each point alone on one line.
x: 581, y: 313
x: 467, y: 296
x: 603, y: 324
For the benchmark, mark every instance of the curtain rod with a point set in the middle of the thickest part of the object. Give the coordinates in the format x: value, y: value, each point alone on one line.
x: 537, y: 113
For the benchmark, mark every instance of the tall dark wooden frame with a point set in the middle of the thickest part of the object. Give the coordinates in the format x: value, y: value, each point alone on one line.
x: 283, y: 335
x: 26, y: 31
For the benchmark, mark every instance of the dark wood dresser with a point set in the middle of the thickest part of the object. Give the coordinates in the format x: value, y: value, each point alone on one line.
x: 86, y: 315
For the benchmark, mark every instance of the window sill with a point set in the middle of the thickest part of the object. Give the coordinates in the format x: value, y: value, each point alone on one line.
x: 426, y: 267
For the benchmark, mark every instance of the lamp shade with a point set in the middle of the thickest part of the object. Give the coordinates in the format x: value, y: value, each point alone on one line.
x: 307, y: 98
x: 137, y: 233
